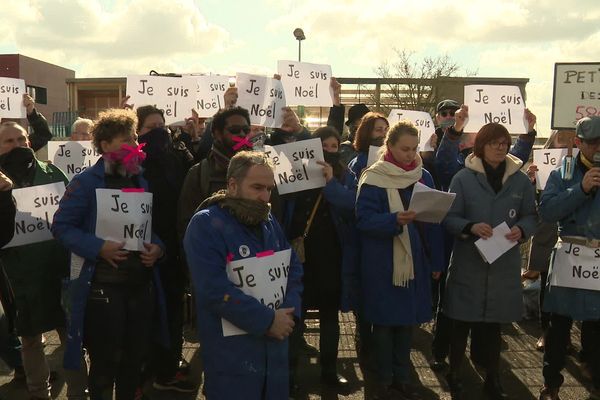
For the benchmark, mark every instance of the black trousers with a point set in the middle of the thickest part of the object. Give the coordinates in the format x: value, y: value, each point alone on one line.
x: 544, y: 316
x: 440, y: 346
x: 117, y: 331
x: 557, y: 338
x: 485, y: 338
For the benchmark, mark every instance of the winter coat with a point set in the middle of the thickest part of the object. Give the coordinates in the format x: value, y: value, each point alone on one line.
x: 251, y: 366
x: 75, y: 226
x: 577, y: 214
x: 475, y: 290
x: 358, y: 164
x: 35, y: 272
x: 384, y: 303
x: 8, y: 211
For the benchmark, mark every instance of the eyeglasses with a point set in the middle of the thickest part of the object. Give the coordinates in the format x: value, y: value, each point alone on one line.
x: 494, y: 144
x: 447, y: 113
x: 237, y: 129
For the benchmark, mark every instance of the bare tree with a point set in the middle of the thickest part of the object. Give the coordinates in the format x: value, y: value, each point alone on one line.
x: 415, y: 87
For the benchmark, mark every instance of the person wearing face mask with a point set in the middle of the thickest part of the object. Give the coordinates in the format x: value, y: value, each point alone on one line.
x: 371, y: 132
x: 398, y: 258
x: 234, y: 225
x: 114, y: 293
x: 328, y: 251
x: 35, y: 271
x: 571, y: 200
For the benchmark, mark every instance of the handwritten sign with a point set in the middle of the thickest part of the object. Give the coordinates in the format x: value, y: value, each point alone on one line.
x: 36, y: 206
x: 124, y: 216
x: 575, y: 266
x: 11, y: 98
x: 422, y: 120
x: 264, y: 278
x: 210, y: 94
x: 306, y: 84
x: 72, y: 157
x: 576, y: 93
x: 176, y: 96
x: 495, y: 103
x: 548, y: 160
x: 296, y: 167
x: 263, y: 98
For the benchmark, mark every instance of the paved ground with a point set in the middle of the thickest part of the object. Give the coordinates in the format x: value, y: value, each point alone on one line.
x: 521, y: 369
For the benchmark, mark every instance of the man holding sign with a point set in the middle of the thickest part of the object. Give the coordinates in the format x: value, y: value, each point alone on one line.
x: 247, y: 283
x: 573, y: 291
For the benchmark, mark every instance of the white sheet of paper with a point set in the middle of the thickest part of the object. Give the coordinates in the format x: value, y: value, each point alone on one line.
x: 431, y: 205
x: 263, y: 97
x: 575, y: 266
x: 72, y: 157
x: 296, y: 167
x: 547, y: 160
x: 422, y: 121
x: 495, y: 103
x: 305, y: 84
x: 373, y: 155
x: 210, y: 94
x: 76, y: 266
x: 491, y: 249
x: 11, y: 98
x: 36, y: 206
x: 268, y: 275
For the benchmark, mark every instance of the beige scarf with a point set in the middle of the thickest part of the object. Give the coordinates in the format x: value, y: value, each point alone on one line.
x: 388, y: 176
x: 513, y: 165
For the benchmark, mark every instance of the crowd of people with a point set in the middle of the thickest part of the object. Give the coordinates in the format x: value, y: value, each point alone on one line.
x: 353, y: 245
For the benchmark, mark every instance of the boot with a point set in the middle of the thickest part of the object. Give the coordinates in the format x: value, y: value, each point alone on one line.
x: 547, y: 393
x: 493, y: 388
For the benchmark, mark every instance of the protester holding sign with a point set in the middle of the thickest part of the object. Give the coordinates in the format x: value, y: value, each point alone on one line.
x: 573, y: 292
x: 479, y: 296
x: 113, y: 290
x: 229, y: 244
x: 80, y: 130
x: 397, y: 257
x: 34, y: 270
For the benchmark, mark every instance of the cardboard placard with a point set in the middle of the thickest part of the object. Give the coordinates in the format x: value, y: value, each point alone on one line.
x: 575, y: 266
x: 547, y: 160
x: 421, y: 119
x: 209, y: 94
x: 11, y: 98
x: 502, y: 104
x: 72, y: 157
x: 263, y: 98
x: 576, y: 93
x: 306, y: 84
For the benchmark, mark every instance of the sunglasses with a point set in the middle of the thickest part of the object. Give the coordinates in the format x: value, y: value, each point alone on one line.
x: 447, y: 113
x: 237, y: 129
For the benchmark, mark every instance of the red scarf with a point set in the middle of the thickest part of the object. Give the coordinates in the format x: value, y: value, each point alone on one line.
x: 407, y: 167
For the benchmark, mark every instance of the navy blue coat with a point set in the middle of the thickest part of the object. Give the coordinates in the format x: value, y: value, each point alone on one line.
x: 74, y: 226
x: 241, y: 366
x: 384, y: 303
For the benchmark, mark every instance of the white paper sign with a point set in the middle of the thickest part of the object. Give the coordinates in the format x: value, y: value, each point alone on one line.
x: 264, y: 278
x: 430, y: 205
x: 576, y: 93
x: 36, y: 206
x: 72, y: 157
x: 495, y: 103
x: 263, y: 98
x: 209, y: 94
x: 296, y: 167
x: 11, y: 98
x: 306, y: 84
x: 124, y: 216
x: 492, y: 248
x: 575, y: 266
x: 547, y: 160
x: 176, y: 96
x: 375, y: 152
x: 421, y: 119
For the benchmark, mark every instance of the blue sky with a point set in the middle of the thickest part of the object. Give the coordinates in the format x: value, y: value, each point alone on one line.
x: 504, y: 38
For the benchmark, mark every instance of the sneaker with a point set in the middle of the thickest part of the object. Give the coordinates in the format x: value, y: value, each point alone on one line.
x: 176, y: 385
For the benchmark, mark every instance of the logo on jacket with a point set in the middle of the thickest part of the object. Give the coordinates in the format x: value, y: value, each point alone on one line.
x: 512, y: 213
x: 244, y: 250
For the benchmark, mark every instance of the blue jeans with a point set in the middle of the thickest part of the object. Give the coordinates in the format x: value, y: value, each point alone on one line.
x: 392, y: 353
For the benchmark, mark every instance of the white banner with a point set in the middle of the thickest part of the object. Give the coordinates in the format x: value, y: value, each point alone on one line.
x: 176, y: 96
x: 263, y: 277
x: 36, y: 206
x: 576, y: 93
x: 502, y: 104
x: 548, y: 160
x: 296, y: 167
x: 263, y: 98
x: 306, y: 84
x: 72, y: 157
x: 575, y: 266
x: 124, y: 216
x: 209, y: 94
x: 421, y: 119
x: 11, y: 98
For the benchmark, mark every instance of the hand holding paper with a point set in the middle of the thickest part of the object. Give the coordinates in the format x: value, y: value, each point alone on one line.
x: 492, y: 248
x: 430, y: 205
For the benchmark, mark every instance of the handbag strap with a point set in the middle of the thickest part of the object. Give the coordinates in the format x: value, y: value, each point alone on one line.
x: 312, y: 215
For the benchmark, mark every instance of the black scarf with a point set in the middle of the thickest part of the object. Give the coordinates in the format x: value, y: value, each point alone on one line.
x: 494, y: 175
